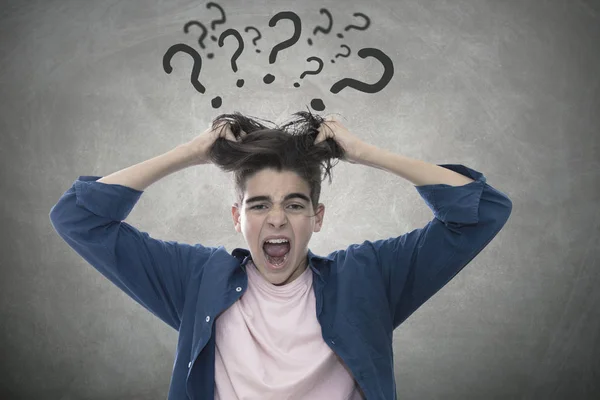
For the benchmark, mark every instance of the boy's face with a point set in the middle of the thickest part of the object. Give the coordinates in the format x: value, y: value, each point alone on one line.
x: 275, y: 216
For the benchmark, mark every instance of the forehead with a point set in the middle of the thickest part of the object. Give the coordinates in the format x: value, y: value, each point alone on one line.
x: 274, y: 184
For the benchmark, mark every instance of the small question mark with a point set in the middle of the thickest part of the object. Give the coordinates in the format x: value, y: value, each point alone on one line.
x: 321, y: 29
x: 218, y: 21
x: 238, y: 52
x: 360, y: 28
x: 316, y: 72
x: 292, y: 16
x: 184, y: 48
x: 256, y: 38
x: 388, y: 73
x: 342, y: 55
x: 186, y: 29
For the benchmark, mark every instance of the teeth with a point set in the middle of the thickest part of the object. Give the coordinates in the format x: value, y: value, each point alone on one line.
x: 276, y: 241
x: 269, y: 259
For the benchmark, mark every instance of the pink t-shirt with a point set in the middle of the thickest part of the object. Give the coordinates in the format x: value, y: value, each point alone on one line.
x: 269, y: 346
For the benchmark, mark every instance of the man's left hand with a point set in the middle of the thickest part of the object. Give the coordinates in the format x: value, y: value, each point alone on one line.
x: 333, y: 128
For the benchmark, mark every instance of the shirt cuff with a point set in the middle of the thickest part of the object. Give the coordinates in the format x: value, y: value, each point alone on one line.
x: 106, y: 200
x: 455, y: 204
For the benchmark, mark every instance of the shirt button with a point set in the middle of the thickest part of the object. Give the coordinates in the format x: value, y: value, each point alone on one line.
x: 190, y: 365
x: 332, y: 342
x: 207, y: 318
x: 238, y: 289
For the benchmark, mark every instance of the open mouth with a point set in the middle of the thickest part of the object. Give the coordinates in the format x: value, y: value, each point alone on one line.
x: 276, y: 252
x: 276, y: 262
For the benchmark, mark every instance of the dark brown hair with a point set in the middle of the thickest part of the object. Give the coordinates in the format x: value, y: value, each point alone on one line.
x: 289, y: 147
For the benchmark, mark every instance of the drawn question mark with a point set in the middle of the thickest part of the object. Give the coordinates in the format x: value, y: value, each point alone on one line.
x: 321, y: 29
x: 292, y: 16
x: 186, y: 29
x: 388, y: 73
x: 238, y: 52
x: 184, y: 48
x: 360, y: 28
x: 316, y: 72
x: 218, y: 21
x: 342, y: 55
x: 256, y: 38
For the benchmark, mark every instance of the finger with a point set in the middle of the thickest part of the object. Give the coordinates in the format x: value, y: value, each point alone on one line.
x: 232, y: 137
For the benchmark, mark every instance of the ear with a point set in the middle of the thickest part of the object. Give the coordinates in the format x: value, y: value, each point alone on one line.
x: 235, y: 214
x: 320, y: 214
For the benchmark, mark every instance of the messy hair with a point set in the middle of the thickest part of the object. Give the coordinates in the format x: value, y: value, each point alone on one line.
x: 289, y: 147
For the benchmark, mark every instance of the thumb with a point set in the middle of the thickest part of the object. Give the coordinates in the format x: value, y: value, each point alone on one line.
x: 318, y: 139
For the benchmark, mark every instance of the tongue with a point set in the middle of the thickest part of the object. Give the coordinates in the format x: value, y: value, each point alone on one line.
x: 276, y: 250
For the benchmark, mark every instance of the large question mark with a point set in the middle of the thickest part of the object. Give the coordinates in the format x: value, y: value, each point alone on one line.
x: 292, y: 16
x: 342, y: 55
x: 184, y: 48
x: 238, y: 52
x: 388, y: 73
x: 256, y: 38
x: 218, y: 21
x: 316, y: 72
x: 321, y: 29
x: 360, y: 28
x: 186, y: 29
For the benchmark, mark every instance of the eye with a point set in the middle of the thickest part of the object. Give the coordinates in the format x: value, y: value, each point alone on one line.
x: 297, y: 206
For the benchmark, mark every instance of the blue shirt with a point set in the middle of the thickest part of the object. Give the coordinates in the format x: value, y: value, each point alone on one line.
x: 362, y: 292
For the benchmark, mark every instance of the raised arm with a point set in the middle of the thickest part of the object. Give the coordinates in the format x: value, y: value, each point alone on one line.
x: 90, y: 216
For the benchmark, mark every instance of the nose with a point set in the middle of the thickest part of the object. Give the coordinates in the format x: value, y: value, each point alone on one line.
x: 276, y: 216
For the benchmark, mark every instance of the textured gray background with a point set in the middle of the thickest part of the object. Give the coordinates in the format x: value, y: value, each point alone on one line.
x: 509, y: 88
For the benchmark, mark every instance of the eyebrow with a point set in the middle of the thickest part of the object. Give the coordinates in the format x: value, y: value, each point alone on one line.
x: 269, y: 199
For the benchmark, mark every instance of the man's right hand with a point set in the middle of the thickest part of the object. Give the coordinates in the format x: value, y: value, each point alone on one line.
x: 201, y: 145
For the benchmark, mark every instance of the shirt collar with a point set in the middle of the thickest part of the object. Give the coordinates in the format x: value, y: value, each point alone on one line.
x: 243, y: 255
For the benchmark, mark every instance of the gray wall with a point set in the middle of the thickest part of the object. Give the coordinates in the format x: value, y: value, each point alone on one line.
x: 509, y: 88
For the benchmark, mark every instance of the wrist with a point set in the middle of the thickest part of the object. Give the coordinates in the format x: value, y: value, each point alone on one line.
x: 188, y: 154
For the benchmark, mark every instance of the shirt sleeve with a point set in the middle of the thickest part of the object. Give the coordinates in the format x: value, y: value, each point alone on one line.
x: 419, y: 263
x: 89, y: 217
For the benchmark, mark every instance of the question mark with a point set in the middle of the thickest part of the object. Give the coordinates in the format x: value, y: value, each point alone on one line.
x: 388, y: 73
x: 238, y: 52
x: 218, y: 21
x: 292, y: 16
x: 342, y: 55
x: 184, y: 48
x: 360, y: 28
x: 180, y: 47
x: 256, y: 38
x: 319, y: 28
x: 317, y: 59
x: 186, y: 29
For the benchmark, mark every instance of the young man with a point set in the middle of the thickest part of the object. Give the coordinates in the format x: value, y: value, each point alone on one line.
x: 277, y: 321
